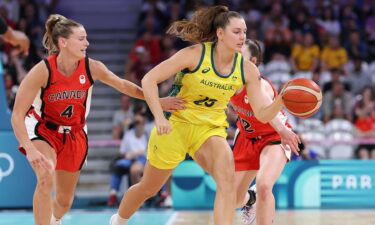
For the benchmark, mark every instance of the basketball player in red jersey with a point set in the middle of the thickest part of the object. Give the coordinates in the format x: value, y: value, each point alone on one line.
x: 49, y: 117
x: 260, y: 150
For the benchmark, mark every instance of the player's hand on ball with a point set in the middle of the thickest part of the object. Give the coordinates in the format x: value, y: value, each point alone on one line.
x: 162, y: 126
x: 291, y: 139
x: 172, y: 104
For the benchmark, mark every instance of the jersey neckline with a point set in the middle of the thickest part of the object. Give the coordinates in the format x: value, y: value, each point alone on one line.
x: 213, y: 63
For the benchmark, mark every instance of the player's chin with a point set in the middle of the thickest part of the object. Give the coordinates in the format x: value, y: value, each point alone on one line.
x: 238, y: 48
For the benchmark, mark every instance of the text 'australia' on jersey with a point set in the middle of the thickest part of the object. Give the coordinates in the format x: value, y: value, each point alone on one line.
x: 205, y: 91
x: 65, y: 100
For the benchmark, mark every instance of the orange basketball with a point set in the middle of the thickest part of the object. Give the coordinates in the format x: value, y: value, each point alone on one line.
x: 302, y: 97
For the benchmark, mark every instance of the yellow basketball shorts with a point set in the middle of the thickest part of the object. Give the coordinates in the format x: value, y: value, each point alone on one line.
x: 168, y: 150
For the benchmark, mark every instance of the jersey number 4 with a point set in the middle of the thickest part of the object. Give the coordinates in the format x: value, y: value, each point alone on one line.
x: 68, y: 112
x: 208, y: 102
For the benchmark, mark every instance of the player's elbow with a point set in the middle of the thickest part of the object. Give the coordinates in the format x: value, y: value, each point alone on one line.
x: 262, y: 117
x: 16, y: 116
x: 145, y: 81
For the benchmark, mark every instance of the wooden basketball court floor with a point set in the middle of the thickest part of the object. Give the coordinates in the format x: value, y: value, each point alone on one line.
x: 170, y: 217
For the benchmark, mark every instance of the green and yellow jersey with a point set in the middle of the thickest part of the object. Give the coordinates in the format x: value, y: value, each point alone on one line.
x: 206, y: 91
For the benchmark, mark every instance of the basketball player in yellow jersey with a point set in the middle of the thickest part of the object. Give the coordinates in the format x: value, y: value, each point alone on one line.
x: 212, y: 71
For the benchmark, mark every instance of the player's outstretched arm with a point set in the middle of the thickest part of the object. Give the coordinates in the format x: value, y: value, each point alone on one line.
x: 102, y: 73
x: 264, y: 108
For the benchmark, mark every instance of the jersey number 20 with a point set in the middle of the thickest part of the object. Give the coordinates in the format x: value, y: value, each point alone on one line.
x: 68, y: 112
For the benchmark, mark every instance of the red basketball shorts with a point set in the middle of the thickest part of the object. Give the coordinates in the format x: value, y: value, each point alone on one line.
x: 246, y: 151
x: 71, y: 150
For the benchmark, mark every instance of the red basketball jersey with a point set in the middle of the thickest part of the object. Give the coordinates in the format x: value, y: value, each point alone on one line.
x: 65, y: 100
x: 247, y: 123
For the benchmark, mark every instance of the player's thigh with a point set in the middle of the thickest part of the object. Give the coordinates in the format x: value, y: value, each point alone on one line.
x: 272, y: 163
x: 46, y: 149
x: 215, y: 156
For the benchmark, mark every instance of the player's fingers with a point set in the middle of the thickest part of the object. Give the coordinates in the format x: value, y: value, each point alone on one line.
x: 158, y: 130
x: 295, y: 145
x: 47, y: 164
x: 285, y: 146
x: 293, y: 149
x: 299, y: 139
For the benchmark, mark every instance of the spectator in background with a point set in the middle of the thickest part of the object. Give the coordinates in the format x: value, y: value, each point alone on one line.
x: 355, y: 47
x: 132, y: 160
x: 337, y: 103
x: 151, y: 43
x: 141, y: 66
x: 362, y: 153
x: 34, y: 25
x: 10, y: 89
x: 336, y: 75
x: 329, y: 23
x: 277, y: 40
x: 333, y: 55
x: 274, y: 19
x: 155, y: 11
x: 305, y: 57
x: 364, y: 113
x: 358, y: 75
x: 370, y: 33
x: 122, y: 118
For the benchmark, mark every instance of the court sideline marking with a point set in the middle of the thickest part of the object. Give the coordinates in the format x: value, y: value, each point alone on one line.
x: 172, y: 218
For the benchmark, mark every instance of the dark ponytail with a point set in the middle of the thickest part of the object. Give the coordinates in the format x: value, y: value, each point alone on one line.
x: 203, y: 25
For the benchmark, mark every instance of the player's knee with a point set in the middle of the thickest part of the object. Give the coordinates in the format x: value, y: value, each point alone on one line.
x: 225, y: 180
x: 45, y: 182
x: 264, y: 188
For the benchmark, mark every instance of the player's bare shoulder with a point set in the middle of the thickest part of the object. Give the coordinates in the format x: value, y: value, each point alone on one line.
x: 251, y: 71
x: 97, y: 68
x: 187, y: 57
x: 38, y: 74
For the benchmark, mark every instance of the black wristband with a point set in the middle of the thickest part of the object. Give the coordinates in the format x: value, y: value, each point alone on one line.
x: 3, y: 26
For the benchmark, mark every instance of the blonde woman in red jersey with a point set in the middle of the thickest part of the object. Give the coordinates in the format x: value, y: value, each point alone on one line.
x: 49, y: 117
x: 261, y: 150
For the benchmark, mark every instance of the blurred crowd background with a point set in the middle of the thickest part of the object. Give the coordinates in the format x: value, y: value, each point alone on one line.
x: 331, y: 42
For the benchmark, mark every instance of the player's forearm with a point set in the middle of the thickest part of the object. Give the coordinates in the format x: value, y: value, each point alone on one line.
x: 267, y: 113
x: 19, y: 129
x: 132, y: 90
x: 151, y: 94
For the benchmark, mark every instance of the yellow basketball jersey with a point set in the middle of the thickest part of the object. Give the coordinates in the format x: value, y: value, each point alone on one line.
x: 205, y: 91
